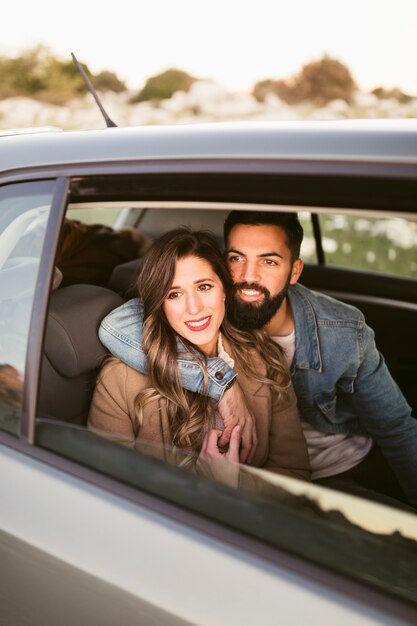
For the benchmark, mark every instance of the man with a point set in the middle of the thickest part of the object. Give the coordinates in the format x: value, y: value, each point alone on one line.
x: 358, y: 426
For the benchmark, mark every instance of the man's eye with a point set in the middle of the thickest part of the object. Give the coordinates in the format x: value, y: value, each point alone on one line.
x: 235, y: 259
x: 270, y: 262
x: 173, y: 295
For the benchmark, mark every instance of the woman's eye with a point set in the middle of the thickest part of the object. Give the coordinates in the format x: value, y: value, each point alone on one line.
x: 173, y: 295
x: 205, y: 287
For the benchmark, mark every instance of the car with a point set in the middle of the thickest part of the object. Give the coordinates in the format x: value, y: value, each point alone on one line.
x: 93, y: 533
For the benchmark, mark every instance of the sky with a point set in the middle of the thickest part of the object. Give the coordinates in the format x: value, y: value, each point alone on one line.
x: 233, y: 42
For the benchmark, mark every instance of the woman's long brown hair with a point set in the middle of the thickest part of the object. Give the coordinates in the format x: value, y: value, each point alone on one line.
x: 188, y: 412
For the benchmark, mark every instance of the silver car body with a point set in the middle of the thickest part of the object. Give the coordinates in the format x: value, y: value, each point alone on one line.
x: 80, y: 547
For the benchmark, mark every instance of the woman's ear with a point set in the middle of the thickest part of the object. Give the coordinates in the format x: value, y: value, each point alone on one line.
x: 297, y: 268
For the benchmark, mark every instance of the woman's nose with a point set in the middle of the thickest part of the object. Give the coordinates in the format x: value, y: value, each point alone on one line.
x: 194, y: 304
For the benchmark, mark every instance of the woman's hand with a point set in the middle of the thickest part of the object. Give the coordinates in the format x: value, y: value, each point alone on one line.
x: 233, y: 411
x: 220, y: 466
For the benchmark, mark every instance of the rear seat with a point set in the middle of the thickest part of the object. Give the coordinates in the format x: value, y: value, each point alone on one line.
x: 123, y: 279
x: 73, y: 352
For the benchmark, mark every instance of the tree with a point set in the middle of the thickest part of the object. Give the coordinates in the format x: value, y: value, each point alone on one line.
x: 108, y: 81
x: 24, y: 75
x: 396, y: 94
x: 323, y: 81
x: 36, y: 73
x: 164, y: 85
x: 262, y: 88
x: 319, y: 82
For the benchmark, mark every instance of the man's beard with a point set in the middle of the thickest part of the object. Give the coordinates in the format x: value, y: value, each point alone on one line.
x: 250, y: 315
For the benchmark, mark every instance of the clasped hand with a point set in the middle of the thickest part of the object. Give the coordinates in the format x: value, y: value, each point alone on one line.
x: 218, y: 465
x: 233, y: 411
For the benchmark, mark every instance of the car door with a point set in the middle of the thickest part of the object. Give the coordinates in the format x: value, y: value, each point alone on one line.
x: 95, y: 533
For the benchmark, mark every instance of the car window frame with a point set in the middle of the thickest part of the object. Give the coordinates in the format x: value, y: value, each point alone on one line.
x: 39, y: 310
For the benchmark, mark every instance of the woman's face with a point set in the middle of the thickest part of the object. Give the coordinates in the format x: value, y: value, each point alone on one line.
x: 195, y: 304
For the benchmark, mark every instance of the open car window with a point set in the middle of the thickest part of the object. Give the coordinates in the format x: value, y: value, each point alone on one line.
x: 343, y: 533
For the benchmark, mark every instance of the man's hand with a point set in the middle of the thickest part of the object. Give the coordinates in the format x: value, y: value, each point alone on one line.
x: 233, y: 411
x: 219, y: 466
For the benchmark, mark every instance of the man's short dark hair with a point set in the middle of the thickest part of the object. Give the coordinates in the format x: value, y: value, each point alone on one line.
x: 287, y: 221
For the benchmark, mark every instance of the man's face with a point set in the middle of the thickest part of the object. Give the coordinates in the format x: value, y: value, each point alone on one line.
x: 260, y: 265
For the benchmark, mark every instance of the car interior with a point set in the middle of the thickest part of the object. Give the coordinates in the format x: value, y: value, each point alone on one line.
x: 73, y: 352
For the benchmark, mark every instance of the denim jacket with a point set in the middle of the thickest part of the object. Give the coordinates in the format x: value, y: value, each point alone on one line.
x: 341, y: 380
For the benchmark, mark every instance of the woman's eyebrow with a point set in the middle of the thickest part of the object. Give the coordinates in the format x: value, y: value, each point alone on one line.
x: 203, y: 280
x: 196, y: 282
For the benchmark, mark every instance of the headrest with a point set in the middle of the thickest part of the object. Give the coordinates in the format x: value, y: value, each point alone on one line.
x: 71, y: 341
x: 123, y: 278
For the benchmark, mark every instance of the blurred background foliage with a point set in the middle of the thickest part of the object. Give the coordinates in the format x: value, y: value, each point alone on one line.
x: 318, y: 82
x: 38, y: 74
x: 381, y: 245
x: 164, y: 85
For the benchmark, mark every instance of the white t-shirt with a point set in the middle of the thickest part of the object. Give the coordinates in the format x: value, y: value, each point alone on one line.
x: 329, y: 454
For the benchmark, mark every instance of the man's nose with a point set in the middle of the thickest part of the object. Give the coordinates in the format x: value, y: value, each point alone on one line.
x: 249, y: 273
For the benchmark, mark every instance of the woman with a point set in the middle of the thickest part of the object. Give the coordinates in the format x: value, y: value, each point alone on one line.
x: 184, y: 285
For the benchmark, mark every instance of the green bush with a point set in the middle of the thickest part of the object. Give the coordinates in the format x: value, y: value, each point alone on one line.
x: 36, y: 73
x: 396, y: 94
x: 164, y: 85
x: 108, y: 81
x: 323, y: 81
x: 319, y: 82
x: 22, y: 76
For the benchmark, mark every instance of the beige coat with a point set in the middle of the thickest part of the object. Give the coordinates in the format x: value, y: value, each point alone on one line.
x: 281, y: 444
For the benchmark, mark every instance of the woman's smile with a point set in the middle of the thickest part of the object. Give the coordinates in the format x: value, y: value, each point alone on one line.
x: 198, y: 325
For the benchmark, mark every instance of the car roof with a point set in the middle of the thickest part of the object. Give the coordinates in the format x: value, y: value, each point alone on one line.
x: 358, y: 140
